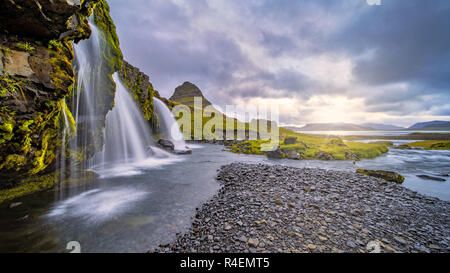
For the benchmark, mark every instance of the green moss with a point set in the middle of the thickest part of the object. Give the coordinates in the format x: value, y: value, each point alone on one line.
x: 110, y: 40
x: 54, y: 44
x: 386, y: 175
x: 9, y: 85
x: 12, y: 162
x: 28, y: 186
x: 25, y: 46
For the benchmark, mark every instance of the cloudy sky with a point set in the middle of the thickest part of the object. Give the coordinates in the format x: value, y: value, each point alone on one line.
x: 320, y: 61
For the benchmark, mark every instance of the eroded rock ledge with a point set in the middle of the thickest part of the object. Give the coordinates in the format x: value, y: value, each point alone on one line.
x: 264, y: 208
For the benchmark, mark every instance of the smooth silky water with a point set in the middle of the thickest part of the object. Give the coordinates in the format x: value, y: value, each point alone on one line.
x: 134, y: 213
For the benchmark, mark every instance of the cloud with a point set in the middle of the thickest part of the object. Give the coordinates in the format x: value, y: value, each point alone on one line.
x: 388, y: 62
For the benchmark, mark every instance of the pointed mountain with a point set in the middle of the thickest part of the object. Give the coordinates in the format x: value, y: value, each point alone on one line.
x: 185, y: 93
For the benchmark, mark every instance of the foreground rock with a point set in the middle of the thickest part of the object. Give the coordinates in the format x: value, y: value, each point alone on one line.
x: 166, y: 144
x: 386, y: 175
x: 263, y: 208
x: 428, y: 177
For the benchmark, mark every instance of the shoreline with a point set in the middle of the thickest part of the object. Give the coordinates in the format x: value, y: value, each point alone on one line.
x: 273, y: 208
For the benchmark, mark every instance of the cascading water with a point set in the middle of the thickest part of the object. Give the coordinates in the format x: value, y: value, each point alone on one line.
x: 169, y: 126
x: 127, y: 141
x: 127, y: 134
x: 88, y: 66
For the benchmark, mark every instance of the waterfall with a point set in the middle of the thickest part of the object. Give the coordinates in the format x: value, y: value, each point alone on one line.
x: 65, y: 134
x: 88, y: 66
x: 169, y: 126
x: 127, y: 134
x: 127, y: 140
x: 128, y: 143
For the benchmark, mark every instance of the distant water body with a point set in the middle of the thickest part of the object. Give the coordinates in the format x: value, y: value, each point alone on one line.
x: 368, y: 133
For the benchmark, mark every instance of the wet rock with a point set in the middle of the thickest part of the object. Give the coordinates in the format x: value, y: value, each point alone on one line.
x: 292, y: 155
x: 166, y: 144
x: 16, y: 204
x: 386, y: 175
x: 276, y: 154
x: 428, y: 177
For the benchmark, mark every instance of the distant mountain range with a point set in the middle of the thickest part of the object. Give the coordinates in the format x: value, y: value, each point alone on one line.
x: 381, y: 126
x: 436, y: 125
x: 334, y: 127
x: 431, y: 125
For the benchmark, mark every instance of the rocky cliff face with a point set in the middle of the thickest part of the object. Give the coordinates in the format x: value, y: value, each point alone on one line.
x: 185, y: 93
x: 141, y: 88
x: 36, y: 76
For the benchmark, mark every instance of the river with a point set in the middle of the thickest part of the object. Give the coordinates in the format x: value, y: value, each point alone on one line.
x: 139, y: 207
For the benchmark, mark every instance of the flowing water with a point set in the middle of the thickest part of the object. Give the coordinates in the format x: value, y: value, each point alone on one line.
x: 170, y: 128
x: 133, y: 213
x: 86, y: 94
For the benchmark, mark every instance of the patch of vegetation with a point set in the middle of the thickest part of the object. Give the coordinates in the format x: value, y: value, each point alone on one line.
x: 430, y: 145
x: 316, y: 147
x: 25, y: 47
x: 27, y: 186
x: 9, y: 85
x: 54, y: 44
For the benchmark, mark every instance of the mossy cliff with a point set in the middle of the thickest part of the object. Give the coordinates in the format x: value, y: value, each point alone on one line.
x: 140, y: 87
x: 36, y: 77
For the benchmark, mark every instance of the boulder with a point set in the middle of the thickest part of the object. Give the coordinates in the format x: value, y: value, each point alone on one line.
x: 277, y: 153
x: 321, y: 155
x: 428, y: 177
x: 351, y: 156
x: 292, y: 155
x: 166, y: 144
x: 290, y: 140
x: 386, y: 175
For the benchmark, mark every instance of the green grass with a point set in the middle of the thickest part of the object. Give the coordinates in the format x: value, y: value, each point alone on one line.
x: 309, y: 145
x: 431, y: 145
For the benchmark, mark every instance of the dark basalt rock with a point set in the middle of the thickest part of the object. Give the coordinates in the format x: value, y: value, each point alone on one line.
x: 290, y: 140
x: 321, y: 155
x: 166, y: 144
x: 428, y: 177
x: 386, y: 175
x: 276, y: 154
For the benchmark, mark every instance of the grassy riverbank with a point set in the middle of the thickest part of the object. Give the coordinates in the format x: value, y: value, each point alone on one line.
x: 314, y: 147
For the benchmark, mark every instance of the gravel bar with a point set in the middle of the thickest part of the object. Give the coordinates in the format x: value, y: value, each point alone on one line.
x: 271, y: 208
